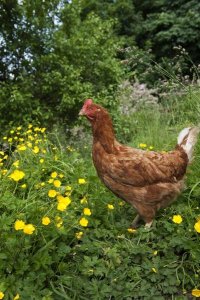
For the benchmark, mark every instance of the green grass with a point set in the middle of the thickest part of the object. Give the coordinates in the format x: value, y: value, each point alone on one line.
x: 107, y: 261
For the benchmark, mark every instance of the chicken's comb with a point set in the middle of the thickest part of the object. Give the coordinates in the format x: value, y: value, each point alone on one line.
x: 88, y: 102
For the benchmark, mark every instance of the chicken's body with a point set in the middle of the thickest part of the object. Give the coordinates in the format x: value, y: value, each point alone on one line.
x: 148, y: 180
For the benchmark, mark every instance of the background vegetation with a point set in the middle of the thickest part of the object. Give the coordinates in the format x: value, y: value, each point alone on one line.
x: 68, y: 236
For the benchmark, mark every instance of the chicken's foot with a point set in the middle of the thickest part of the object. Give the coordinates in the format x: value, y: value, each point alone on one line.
x: 135, y: 222
x: 148, y: 225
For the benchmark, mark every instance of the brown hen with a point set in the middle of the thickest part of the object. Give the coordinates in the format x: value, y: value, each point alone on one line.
x: 148, y: 180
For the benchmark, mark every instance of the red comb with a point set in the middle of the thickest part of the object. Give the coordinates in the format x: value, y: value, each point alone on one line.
x: 88, y: 102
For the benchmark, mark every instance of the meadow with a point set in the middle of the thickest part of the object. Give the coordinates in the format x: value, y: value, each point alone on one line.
x: 65, y: 236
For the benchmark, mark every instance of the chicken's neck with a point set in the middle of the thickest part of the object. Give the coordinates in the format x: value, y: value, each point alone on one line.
x: 103, y: 133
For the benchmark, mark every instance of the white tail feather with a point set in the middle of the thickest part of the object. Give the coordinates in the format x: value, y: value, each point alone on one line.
x: 187, y: 139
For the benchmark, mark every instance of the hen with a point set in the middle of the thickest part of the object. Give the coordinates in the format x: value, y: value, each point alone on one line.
x: 148, y: 180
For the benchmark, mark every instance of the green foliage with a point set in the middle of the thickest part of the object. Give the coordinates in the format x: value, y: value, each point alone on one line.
x: 107, y: 259
x: 56, y: 54
x: 122, y: 11
x: 85, y: 51
x: 164, y: 32
x: 168, y: 24
x: 26, y: 32
x: 62, y: 60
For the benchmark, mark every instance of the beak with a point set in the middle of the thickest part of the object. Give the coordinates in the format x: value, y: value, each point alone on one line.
x: 81, y: 112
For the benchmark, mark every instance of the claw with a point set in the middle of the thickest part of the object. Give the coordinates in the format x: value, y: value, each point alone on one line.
x: 148, y: 225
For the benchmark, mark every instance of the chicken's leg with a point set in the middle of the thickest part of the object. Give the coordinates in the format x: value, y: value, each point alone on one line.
x: 135, y: 222
x: 148, y: 225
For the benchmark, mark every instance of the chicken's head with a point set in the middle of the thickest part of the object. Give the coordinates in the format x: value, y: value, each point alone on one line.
x: 90, y: 110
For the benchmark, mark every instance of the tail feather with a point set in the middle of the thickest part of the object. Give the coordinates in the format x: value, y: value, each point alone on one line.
x: 187, y: 139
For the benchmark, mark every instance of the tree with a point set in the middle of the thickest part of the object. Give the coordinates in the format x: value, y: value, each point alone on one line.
x: 170, y: 23
x: 53, y: 59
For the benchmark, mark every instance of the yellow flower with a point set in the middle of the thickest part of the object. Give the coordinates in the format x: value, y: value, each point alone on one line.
x: 4, y: 171
x: 31, y: 138
x: 52, y: 193
x: 50, y: 180
x: 84, y: 200
x: 70, y: 149
x: 21, y: 147
x: 121, y: 203
x: 16, y: 297
x: 46, y: 221
x: 61, y: 175
x: 19, y: 225
x: 68, y: 188
x: 81, y: 181
x: 150, y: 147
x: 60, y: 198
x: 61, y: 206
x: 38, y: 141
x: 42, y: 160
x: 23, y: 186
x: 79, y: 235
x: 43, y: 129
x: 54, y: 174
x: 68, y: 194
x: 1, y: 295
x: 29, y: 144
x: 16, y: 163
x: 87, y: 212
x: 83, y: 222
x: 65, y: 200
x: 12, y: 131
x: 177, y: 219
x: 196, y: 293
x: 36, y: 149
x: 29, y: 229
x: 141, y: 145
x: 42, y: 184
x: 197, y: 226
x: 2, y: 153
x: 59, y: 221
x: 154, y: 270
x: 17, y: 175
x: 131, y: 230
x: 110, y: 206
x: 57, y: 183
x: 19, y: 128
x: 155, y: 252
